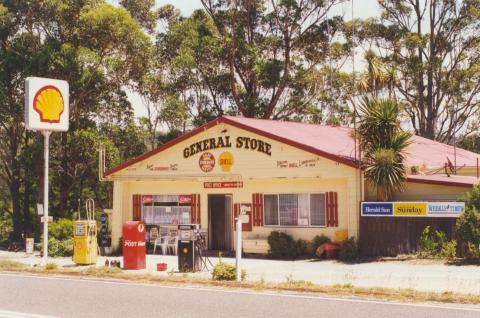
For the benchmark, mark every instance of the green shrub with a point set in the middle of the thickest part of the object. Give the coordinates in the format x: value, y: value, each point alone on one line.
x: 473, y: 252
x: 468, y: 230
x: 473, y: 197
x: 224, y: 271
x: 61, y: 229
x: 348, y: 250
x: 51, y: 266
x: 316, y: 242
x: 301, y: 248
x: 59, y: 247
x: 449, y: 249
x: 427, y: 246
x: 436, y: 245
x: 282, y: 245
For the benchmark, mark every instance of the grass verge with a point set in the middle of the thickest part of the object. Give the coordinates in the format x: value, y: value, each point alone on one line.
x: 346, y: 290
x: 7, y: 264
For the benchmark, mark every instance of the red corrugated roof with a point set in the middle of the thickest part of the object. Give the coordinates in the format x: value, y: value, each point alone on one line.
x: 333, y: 142
x: 338, y: 141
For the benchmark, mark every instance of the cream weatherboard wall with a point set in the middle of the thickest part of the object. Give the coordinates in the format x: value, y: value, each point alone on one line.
x: 423, y: 192
x: 286, y: 169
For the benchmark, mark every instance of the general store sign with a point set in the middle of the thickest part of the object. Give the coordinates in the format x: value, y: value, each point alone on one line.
x: 413, y: 209
x: 226, y: 142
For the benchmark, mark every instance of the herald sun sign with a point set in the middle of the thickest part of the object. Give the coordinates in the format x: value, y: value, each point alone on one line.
x: 46, y: 104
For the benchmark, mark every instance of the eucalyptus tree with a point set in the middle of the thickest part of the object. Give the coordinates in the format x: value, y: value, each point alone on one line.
x: 434, y: 48
x: 271, y: 49
x: 99, y: 49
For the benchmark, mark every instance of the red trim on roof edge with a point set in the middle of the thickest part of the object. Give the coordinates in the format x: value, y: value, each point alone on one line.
x: 291, y: 142
x: 169, y: 144
x: 226, y: 120
x: 439, y: 182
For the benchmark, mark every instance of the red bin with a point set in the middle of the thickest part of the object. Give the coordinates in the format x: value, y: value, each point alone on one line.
x: 134, y: 249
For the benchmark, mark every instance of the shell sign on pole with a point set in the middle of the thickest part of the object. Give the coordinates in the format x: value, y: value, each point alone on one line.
x: 46, y: 110
x: 46, y: 104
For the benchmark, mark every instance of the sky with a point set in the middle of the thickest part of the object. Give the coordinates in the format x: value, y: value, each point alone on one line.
x: 362, y: 9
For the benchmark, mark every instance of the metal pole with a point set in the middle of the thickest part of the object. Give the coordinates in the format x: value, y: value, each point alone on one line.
x: 238, y: 251
x: 46, y: 143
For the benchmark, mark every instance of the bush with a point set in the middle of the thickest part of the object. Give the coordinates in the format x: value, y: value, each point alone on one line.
x: 224, y: 271
x: 468, y: 230
x: 348, y: 250
x: 61, y: 229
x: 426, y: 244
x: 282, y: 245
x: 473, y: 252
x: 51, y: 266
x: 436, y: 245
x: 316, y: 242
x: 59, y: 248
x: 302, y: 248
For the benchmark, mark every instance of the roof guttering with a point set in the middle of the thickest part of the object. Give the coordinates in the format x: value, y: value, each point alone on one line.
x: 441, y: 182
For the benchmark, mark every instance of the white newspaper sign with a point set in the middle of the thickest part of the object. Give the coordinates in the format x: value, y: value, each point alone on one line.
x: 445, y: 209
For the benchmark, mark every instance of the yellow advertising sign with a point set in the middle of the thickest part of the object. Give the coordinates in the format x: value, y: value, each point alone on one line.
x: 225, y: 160
x: 410, y: 209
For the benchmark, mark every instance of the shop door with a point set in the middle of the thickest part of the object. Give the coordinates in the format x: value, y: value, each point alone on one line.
x: 220, y: 222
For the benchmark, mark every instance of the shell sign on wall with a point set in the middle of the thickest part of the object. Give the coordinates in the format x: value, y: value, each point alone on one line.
x: 225, y: 161
x: 46, y: 104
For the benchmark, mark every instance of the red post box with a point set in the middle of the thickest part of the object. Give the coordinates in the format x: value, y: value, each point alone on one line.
x: 134, y: 248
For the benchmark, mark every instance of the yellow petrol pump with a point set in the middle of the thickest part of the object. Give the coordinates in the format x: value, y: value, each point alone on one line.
x: 85, y: 249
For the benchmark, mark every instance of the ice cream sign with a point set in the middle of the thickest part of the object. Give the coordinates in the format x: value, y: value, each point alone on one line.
x: 46, y: 104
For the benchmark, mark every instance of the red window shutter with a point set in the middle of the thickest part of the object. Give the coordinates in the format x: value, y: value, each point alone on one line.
x: 195, y: 209
x: 137, y: 207
x: 332, y: 208
x: 257, y: 209
x: 198, y: 209
x: 260, y: 209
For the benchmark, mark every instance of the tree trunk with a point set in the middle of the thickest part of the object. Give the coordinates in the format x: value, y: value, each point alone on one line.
x: 64, y: 184
x: 16, y: 211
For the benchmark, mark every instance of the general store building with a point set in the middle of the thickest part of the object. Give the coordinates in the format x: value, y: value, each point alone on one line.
x: 298, y: 178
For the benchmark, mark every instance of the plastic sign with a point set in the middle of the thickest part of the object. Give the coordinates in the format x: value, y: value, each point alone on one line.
x: 225, y: 161
x: 410, y: 209
x: 206, y: 162
x: 413, y: 209
x: 46, y: 104
x: 243, y: 218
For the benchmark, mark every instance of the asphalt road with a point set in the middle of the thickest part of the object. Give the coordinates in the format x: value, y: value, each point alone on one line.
x: 23, y: 295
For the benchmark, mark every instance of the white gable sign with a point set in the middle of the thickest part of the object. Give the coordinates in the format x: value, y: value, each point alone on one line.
x: 46, y: 104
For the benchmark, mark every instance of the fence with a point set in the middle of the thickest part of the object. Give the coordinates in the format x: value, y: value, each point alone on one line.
x: 390, y: 236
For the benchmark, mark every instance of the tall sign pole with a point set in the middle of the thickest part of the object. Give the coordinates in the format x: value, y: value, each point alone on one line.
x: 46, y: 110
x: 46, y: 145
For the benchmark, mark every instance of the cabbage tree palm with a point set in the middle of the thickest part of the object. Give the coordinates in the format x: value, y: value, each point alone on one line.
x: 383, y: 144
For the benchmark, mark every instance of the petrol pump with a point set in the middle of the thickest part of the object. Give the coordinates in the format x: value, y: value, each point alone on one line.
x: 85, y: 249
x: 189, y: 248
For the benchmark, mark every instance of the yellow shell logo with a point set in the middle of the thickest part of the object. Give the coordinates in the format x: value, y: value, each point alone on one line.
x: 48, y: 103
x: 225, y: 161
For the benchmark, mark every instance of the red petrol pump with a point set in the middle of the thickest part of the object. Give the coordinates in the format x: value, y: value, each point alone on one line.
x: 134, y: 247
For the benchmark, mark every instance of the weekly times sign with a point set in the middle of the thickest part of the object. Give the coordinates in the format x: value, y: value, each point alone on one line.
x: 413, y: 209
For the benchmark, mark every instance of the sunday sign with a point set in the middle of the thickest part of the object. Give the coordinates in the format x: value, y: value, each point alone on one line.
x: 225, y: 142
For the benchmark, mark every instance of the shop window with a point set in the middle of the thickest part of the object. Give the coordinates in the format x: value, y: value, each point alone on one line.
x: 295, y: 209
x: 166, y: 210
